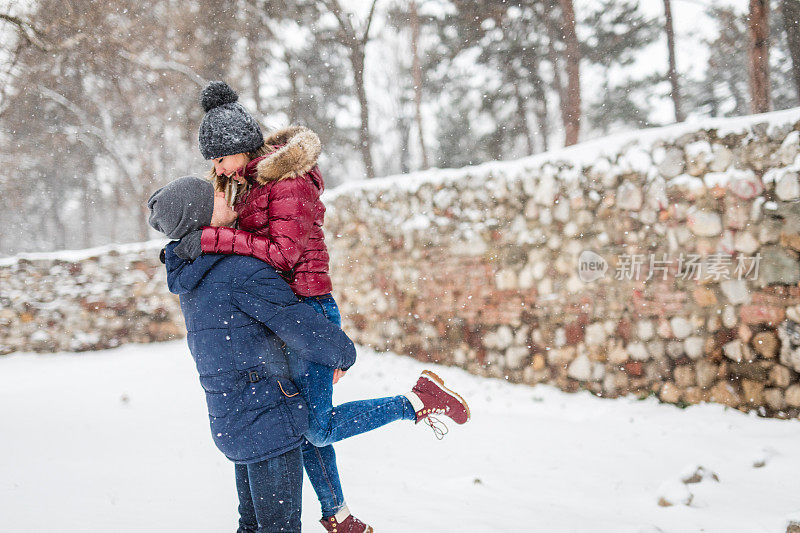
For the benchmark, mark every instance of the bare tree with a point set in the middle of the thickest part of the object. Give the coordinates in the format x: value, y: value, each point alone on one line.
x: 555, y: 61
x: 105, y: 103
x: 573, y: 89
x: 416, y: 70
x: 791, y: 22
x: 673, y: 72
x: 760, y: 94
x: 356, y: 43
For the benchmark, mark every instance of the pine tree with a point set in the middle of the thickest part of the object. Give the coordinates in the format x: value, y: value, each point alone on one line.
x: 504, y: 48
x: 354, y: 36
x: 791, y: 23
x: 416, y: 28
x: 722, y: 91
x: 619, y: 31
x: 783, y: 74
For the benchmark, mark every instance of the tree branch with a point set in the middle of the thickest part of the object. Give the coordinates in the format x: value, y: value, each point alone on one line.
x: 28, y: 30
x: 347, y: 33
x: 365, y: 38
x: 94, y: 131
x: 157, y: 63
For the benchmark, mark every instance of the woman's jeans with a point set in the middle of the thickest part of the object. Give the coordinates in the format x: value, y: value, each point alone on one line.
x: 270, y: 494
x: 328, y: 424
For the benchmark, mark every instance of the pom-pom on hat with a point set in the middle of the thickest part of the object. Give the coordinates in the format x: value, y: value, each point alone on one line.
x: 227, y: 128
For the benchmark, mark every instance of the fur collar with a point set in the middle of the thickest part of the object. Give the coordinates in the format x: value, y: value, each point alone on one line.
x: 299, y: 153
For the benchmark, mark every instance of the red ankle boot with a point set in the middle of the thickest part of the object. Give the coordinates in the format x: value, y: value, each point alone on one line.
x: 350, y: 524
x: 430, y: 397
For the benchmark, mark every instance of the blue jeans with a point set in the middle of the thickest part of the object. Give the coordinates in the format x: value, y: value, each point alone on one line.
x: 328, y: 424
x: 270, y: 494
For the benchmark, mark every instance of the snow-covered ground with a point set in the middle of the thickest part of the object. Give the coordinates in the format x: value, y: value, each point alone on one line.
x: 118, y: 441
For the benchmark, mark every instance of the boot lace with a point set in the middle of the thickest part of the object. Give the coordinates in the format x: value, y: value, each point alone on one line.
x: 439, y: 428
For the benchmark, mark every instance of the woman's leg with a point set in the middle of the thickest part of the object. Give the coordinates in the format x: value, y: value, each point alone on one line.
x: 329, y: 424
x: 320, y: 462
x: 320, y: 466
x: 276, y: 487
x: 248, y: 523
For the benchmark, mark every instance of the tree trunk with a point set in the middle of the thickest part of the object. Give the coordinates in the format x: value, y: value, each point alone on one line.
x: 416, y: 70
x: 522, y: 114
x: 217, y: 46
x: 116, y: 213
x: 539, y: 100
x: 357, y: 49
x: 673, y: 72
x: 87, y: 199
x: 760, y: 99
x: 140, y: 209
x: 552, y: 55
x: 791, y: 21
x: 540, y: 110
x: 711, y: 98
x: 57, y: 192
x: 254, y: 67
x: 404, y: 129
x: 573, y: 106
x: 357, y: 60
x: 294, y: 99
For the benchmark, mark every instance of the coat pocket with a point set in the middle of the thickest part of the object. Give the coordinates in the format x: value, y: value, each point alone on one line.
x: 294, y: 406
x: 279, y: 393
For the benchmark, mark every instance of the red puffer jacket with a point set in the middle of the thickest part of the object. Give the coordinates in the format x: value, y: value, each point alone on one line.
x: 281, y: 216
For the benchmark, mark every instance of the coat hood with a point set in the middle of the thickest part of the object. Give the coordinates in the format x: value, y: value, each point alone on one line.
x: 183, y: 276
x: 298, y: 153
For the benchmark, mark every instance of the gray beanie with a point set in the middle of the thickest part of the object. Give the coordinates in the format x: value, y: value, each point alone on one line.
x: 183, y: 205
x: 227, y: 128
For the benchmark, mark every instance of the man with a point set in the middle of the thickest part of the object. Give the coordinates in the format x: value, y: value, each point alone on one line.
x: 239, y: 313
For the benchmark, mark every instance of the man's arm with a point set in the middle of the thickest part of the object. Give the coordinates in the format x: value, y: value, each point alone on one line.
x: 177, y: 266
x: 266, y: 297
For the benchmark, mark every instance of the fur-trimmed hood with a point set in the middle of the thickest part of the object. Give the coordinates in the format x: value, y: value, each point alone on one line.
x: 297, y: 153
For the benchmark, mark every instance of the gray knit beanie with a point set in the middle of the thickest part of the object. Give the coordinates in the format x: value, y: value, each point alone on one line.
x: 183, y: 205
x: 227, y: 128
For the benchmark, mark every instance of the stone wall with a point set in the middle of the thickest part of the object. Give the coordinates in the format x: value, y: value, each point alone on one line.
x: 663, y: 262
x: 698, y: 232
x: 89, y: 300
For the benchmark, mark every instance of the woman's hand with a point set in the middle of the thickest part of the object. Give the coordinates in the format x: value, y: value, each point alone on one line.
x: 338, y: 374
x: 223, y: 214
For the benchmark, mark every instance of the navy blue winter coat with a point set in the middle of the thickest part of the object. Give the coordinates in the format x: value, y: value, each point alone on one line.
x: 238, y: 310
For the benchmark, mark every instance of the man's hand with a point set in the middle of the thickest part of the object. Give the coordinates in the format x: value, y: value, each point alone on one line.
x: 189, y: 247
x: 223, y: 214
x: 338, y: 374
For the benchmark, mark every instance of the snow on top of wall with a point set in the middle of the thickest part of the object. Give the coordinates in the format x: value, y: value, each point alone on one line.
x: 79, y: 255
x: 580, y: 155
